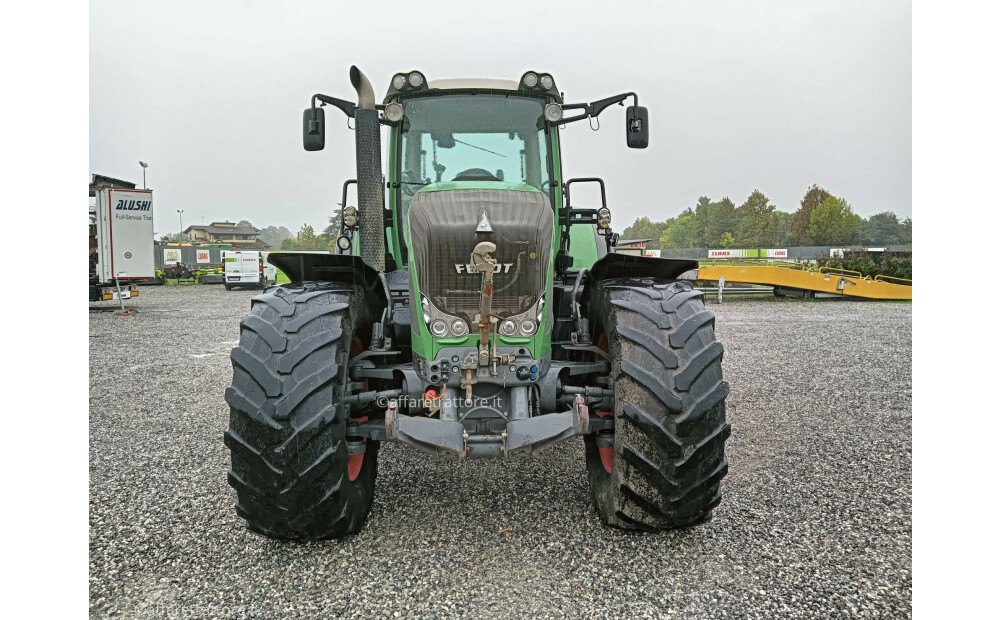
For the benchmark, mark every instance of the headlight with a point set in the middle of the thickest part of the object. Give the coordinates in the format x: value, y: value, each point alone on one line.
x: 344, y: 243
x: 393, y: 112
x: 398, y: 81
x: 416, y: 79
x: 438, y: 328
x: 546, y: 82
x: 604, y: 217
x: 508, y: 328
x: 530, y: 79
x: 350, y: 216
x: 459, y: 328
x: 426, y: 307
x: 553, y: 113
x: 528, y: 327
x: 541, y: 309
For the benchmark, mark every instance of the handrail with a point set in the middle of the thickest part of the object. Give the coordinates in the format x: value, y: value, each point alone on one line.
x: 881, y: 278
x: 841, y: 272
x: 766, y: 262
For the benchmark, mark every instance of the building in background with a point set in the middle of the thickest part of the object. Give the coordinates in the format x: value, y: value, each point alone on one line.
x: 226, y: 232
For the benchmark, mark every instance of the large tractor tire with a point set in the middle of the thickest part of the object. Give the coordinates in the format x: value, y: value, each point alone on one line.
x: 664, y: 466
x: 287, y: 430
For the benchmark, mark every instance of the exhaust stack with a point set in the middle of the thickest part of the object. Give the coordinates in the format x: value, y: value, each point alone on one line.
x: 371, y: 189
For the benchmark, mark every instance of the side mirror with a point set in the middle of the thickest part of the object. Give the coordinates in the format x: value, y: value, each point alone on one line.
x: 313, y: 129
x: 637, y: 127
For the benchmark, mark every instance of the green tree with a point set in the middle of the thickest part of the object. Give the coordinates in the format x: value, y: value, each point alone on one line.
x: 306, y: 238
x: 702, y: 212
x: 906, y: 231
x: 174, y: 238
x: 643, y: 228
x: 784, y: 228
x: 290, y: 243
x: 244, y: 223
x: 834, y: 223
x: 727, y: 240
x: 882, y: 229
x: 799, y: 226
x: 274, y: 235
x: 332, y: 230
x: 758, y: 227
x: 721, y: 218
x: 684, y: 231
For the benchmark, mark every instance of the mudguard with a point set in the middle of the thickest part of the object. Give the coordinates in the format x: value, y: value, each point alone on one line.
x: 628, y: 266
x: 303, y: 267
x: 615, y: 265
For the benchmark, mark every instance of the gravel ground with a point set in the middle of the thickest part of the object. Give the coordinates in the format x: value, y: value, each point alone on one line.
x: 815, y: 519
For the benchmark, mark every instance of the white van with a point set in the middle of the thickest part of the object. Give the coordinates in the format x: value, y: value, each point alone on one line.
x: 247, y: 268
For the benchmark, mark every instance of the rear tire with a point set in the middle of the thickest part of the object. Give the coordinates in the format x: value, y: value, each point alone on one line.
x: 229, y: 287
x: 288, y: 421
x: 670, y: 415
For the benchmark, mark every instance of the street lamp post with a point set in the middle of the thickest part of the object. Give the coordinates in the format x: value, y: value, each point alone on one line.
x: 144, y: 166
x: 180, y: 217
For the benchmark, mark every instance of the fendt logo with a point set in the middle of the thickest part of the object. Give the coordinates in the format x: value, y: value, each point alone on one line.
x: 499, y: 268
x: 133, y: 205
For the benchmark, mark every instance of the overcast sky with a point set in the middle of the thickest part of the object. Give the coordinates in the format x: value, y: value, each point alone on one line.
x: 773, y: 95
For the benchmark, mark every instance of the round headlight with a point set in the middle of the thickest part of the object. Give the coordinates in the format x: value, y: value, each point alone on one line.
x: 350, y: 216
x: 394, y: 112
x: 553, y: 112
x: 604, y: 217
x: 398, y: 81
x: 344, y: 243
x: 438, y: 328
x: 528, y: 327
x: 459, y: 327
x: 530, y: 79
x: 426, y: 307
x: 546, y: 82
x: 508, y: 328
x: 416, y: 79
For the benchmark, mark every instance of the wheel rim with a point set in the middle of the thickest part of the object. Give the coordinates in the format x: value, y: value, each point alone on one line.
x: 607, y: 454
x: 356, y: 461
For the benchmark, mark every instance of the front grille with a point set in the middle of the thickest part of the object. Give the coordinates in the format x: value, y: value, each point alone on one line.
x: 443, y: 235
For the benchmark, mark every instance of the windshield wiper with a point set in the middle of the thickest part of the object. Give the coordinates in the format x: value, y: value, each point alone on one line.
x: 480, y: 148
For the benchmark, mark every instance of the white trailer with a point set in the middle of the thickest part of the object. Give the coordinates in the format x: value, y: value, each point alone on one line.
x: 121, y: 243
x: 247, y: 268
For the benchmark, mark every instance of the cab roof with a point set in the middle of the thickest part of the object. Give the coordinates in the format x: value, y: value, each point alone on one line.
x: 472, y: 84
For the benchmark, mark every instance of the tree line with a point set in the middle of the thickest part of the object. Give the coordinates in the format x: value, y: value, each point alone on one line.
x: 821, y: 219
x: 279, y: 237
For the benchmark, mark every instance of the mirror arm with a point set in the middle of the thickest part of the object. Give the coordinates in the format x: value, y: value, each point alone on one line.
x: 594, y: 109
x: 346, y: 107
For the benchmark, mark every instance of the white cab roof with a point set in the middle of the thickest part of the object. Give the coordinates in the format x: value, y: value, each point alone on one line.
x: 473, y: 83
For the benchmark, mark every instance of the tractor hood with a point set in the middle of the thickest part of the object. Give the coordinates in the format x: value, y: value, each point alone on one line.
x: 448, y: 220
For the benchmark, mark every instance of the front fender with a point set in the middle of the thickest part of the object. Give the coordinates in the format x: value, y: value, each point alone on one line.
x: 615, y: 265
x: 304, y: 266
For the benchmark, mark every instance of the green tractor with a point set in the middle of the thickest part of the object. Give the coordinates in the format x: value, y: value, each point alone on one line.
x: 478, y: 312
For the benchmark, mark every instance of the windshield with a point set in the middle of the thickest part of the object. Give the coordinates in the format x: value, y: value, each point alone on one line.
x: 482, y: 137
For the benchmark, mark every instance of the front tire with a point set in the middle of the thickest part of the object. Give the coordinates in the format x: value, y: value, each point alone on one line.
x: 291, y: 470
x: 667, y: 459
